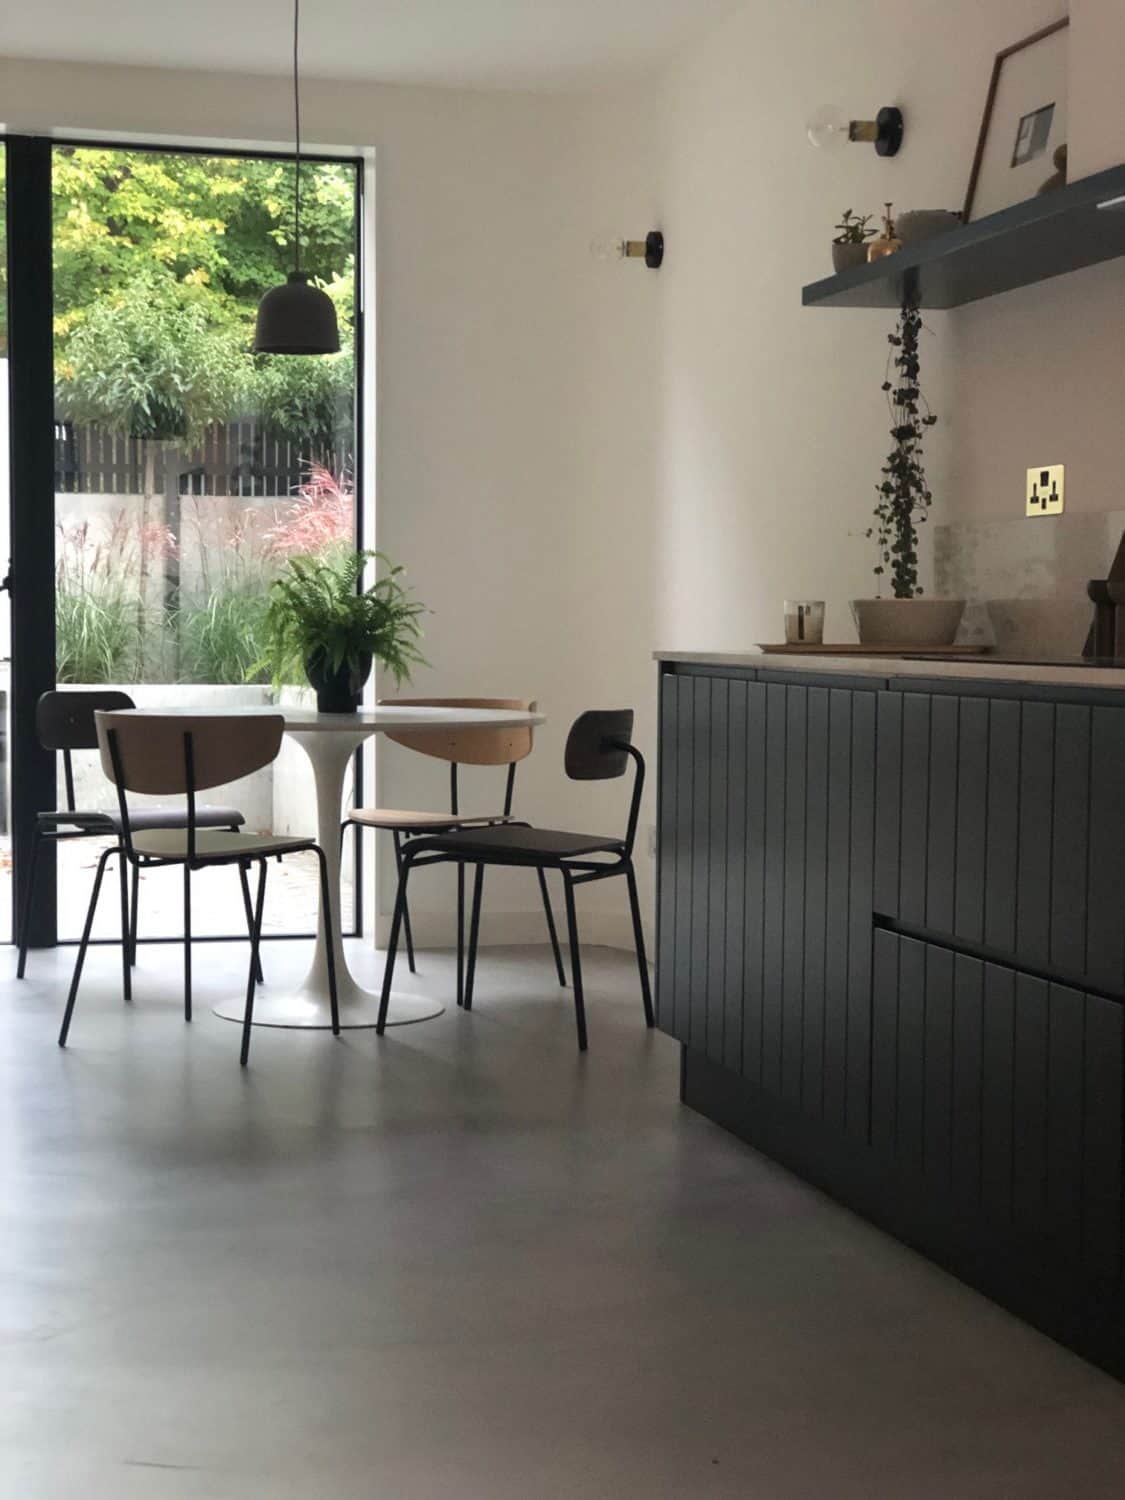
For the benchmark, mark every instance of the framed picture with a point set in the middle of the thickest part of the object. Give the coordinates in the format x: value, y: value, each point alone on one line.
x: 1024, y: 123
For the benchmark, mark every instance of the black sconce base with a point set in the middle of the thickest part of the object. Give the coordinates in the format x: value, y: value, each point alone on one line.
x: 891, y: 130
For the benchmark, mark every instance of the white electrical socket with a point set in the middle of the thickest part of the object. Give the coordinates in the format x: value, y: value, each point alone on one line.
x: 1046, y: 490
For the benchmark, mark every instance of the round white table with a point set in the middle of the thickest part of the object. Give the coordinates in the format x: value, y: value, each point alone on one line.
x: 330, y: 741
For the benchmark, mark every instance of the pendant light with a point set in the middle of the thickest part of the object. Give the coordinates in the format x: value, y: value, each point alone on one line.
x: 296, y: 317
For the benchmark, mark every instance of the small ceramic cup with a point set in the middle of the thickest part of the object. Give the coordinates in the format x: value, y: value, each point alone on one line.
x: 804, y: 622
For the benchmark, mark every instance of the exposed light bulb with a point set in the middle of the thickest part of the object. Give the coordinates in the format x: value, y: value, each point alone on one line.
x: 607, y: 247
x: 830, y: 129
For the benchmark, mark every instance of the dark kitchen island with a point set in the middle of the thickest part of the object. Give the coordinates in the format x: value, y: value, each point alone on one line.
x: 892, y: 945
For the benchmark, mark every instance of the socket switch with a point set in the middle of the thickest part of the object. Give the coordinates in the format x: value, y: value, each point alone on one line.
x: 1046, y: 490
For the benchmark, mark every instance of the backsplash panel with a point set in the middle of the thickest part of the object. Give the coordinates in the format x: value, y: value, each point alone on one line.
x: 1025, y: 580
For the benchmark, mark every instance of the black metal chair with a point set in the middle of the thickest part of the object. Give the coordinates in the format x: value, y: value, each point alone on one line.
x: 598, y: 748
x: 65, y: 722
x: 179, y: 755
x: 461, y: 747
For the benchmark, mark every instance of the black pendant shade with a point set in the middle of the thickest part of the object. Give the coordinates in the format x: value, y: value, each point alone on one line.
x: 296, y: 318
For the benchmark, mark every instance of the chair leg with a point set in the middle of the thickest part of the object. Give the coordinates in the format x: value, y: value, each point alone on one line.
x: 392, y: 947
x: 244, y: 877
x: 575, y: 963
x: 28, y: 896
x: 136, y: 901
x: 460, y: 934
x: 474, y: 936
x: 187, y: 942
x: 252, y: 980
x: 407, y: 930
x: 639, y: 943
x: 126, y: 946
x: 329, y: 941
x: 551, y: 926
x: 82, y: 946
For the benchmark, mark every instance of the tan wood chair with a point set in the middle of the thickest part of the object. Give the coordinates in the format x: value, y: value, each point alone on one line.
x: 179, y: 755
x: 458, y: 747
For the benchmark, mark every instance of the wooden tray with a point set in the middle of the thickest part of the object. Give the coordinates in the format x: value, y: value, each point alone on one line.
x: 853, y: 648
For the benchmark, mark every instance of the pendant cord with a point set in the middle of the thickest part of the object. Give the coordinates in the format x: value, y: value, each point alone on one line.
x: 297, y: 120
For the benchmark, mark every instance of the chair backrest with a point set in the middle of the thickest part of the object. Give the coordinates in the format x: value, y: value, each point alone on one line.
x: 181, y: 754
x: 467, y: 747
x: 595, y: 746
x: 65, y: 721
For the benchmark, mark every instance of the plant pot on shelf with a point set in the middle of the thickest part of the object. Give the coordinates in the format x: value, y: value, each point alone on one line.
x: 910, y: 623
x: 848, y: 255
x: 338, y: 689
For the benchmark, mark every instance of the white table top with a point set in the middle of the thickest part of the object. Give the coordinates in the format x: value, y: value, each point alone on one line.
x: 366, y: 720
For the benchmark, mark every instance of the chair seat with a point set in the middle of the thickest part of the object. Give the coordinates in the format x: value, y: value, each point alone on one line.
x: 146, y: 818
x: 514, y: 841
x: 216, y: 844
x: 398, y: 820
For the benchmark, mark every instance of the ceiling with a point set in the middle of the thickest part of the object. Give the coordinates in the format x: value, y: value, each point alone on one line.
x: 466, y: 43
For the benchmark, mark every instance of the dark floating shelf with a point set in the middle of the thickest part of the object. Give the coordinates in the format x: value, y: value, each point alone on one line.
x: 1049, y: 236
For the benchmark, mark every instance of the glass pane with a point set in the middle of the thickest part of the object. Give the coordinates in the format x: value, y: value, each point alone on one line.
x: 189, y: 470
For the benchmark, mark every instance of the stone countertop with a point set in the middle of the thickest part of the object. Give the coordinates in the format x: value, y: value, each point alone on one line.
x: 973, y: 669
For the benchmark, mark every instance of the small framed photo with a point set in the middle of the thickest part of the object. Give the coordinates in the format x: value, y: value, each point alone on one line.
x: 1024, y: 123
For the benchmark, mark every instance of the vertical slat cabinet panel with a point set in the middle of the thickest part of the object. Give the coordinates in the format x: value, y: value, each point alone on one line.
x: 971, y: 819
x: 718, y: 789
x: 700, y: 861
x: 860, y: 914
x: 937, y: 1113
x: 754, y: 933
x: 685, y: 855
x: 1029, y: 1114
x: 888, y: 803
x: 1003, y: 825
x: 793, y: 957
x: 667, y: 868
x: 774, y: 904
x: 915, y: 807
x: 884, y: 1043
x: 816, y: 890
x: 1105, y: 938
x: 837, y: 925
x: 733, y: 980
x: 965, y: 1127
x: 1036, y: 779
x: 1103, y: 1123
x: 941, y: 852
x: 911, y: 1052
x: 1070, y: 838
x: 998, y: 1040
x: 1065, y: 1026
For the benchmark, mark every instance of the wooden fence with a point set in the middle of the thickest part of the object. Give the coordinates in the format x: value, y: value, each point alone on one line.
x: 233, y: 458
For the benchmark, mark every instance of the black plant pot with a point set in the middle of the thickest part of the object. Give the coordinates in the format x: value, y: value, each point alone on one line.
x: 338, y: 690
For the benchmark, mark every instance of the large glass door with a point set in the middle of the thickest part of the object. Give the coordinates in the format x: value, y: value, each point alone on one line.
x: 185, y: 470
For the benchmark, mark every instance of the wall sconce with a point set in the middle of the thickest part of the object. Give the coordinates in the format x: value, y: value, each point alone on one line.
x: 830, y: 129
x: 613, y: 247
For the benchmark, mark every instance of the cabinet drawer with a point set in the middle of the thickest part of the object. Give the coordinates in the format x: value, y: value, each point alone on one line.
x: 1002, y: 822
x: 1002, y: 1094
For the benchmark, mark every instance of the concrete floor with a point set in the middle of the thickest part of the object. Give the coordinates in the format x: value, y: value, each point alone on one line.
x: 464, y: 1262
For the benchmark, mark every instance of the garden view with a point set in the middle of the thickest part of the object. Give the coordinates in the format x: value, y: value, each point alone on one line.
x: 188, y: 469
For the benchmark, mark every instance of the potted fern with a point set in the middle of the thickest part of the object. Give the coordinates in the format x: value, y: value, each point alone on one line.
x: 322, y: 624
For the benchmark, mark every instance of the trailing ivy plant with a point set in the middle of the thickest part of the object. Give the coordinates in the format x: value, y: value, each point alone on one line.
x: 317, y: 608
x: 904, y: 495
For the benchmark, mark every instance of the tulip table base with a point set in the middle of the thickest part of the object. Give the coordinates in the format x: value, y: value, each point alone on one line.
x: 330, y: 747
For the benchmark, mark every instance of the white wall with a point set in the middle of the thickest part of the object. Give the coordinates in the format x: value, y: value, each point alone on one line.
x: 516, y: 452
